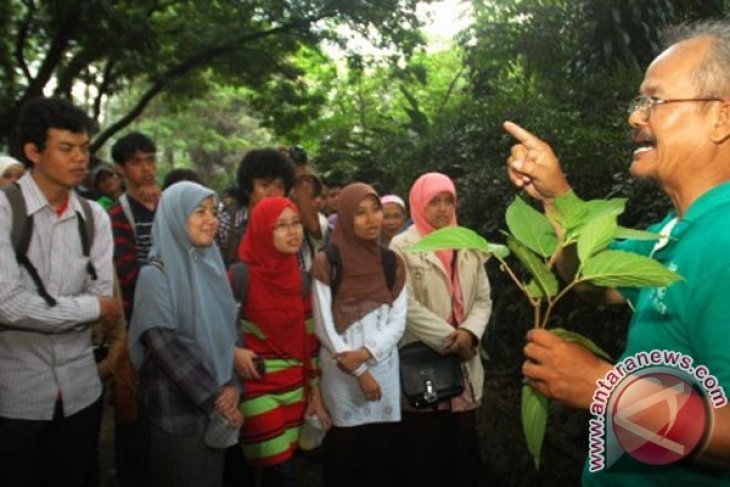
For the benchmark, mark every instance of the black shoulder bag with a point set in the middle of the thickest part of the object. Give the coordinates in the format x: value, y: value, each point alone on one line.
x: 427, y: 377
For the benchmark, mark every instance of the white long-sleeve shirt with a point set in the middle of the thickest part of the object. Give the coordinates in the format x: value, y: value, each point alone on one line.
x: 44, y: 351
x: 379, y: 331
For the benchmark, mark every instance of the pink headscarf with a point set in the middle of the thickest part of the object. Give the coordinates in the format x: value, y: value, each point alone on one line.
x: 423, y: 191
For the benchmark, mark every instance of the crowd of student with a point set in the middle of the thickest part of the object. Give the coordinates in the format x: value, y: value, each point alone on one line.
x: 242, y: 329
x: 234, y: 320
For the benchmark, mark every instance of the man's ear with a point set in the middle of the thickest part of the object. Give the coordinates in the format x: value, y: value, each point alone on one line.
x: 31, y: 152
x: 721, y: 131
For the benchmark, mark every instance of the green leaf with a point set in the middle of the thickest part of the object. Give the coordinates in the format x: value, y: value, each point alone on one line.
x: 499, y: 250
x: 602, y: 208
x: 534, y: 421
x: 570, y: 211
x: 457, y: 238
x: 623, y: 233
x: 540, y: 271
x: 573, y: 213
x: 531, y: 228
x: 533, y: 290
x: 571, y: 336
x: 596, y: 235
x: 614, y: 268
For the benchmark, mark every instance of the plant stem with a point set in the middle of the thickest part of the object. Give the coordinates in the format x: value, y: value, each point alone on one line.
x: 505, y: 267
x: 551, y: 304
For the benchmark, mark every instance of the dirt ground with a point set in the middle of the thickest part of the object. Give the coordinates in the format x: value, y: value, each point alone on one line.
x: 505, y: 460
x: 310, y: 470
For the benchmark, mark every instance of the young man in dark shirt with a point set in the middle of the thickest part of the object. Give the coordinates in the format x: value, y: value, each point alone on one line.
x: 131, y: 217
x: 135, y: 157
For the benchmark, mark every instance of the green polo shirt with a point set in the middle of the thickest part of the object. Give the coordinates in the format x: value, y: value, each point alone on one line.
x: 691, y: 317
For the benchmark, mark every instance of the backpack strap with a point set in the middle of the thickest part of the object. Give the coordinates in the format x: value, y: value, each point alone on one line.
x: 87, y: 232
x: 388, y: 260
x: 306, y: 283
x: 240, y: 276
x: 333, y: 257
x: 20, y: 234
x: 239, y: 281
x: 124, y: 202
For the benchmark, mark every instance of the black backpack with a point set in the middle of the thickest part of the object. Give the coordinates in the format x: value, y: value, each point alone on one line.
x: 387, y: 258
x: 239, y: 281
x: 22, y: 231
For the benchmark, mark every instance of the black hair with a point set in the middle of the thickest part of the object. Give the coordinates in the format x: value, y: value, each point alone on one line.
x: 123, y: 149
x: 231, y: 191
x: 298, y: 155
x: 334, y: 181
x: 267, y: 164
x: 314, y: 180
x: 177, y: 175
x: 39, y: 114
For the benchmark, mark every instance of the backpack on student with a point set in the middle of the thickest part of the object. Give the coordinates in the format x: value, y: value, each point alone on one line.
x: 240, y: 276
x: 387, y: 258
x: 21, y: 233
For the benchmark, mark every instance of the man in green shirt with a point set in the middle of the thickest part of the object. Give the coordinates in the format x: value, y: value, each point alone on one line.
x: 681, y: 127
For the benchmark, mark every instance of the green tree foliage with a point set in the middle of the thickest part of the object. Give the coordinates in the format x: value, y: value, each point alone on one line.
x: 163, y: 46
x: 207, y: 134
x: 565, y: 70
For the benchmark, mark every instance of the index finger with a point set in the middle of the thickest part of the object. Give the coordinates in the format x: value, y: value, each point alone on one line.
x: 529, y: 140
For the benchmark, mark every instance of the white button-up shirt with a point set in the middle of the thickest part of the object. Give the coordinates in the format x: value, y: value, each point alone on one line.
x: 46, y: 351
x: 379, y: 332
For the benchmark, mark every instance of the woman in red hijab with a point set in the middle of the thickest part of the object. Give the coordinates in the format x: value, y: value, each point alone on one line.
x: 448, y: 310
x: 274, y: 309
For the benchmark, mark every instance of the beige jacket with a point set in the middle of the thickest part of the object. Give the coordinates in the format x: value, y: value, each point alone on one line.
x: 429, y: 300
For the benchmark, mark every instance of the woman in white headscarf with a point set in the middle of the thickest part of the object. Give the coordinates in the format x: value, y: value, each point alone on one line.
x: 10, y: 170
x: 182, y: 337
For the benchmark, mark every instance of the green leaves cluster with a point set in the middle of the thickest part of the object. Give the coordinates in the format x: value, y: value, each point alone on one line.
x: 537, y: 240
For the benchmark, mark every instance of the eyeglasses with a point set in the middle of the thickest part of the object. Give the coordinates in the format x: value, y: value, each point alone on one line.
x: 645, y: 104
x: 284, y: 227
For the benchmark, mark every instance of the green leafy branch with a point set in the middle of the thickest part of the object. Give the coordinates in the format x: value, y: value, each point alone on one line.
x: 537, y: 241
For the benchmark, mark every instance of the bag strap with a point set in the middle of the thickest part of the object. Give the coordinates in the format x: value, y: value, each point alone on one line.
x: 240, y: 277
x: 239, y: 281
x: 87, y: 232
x: 333, y: 257
x: 20, y: 234
x: 127, y: 209
x: 387, y: 258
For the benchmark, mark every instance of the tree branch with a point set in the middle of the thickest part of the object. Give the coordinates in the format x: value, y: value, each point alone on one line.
x: 58, y: 46
x: 21, y: 39
x: 69, y: 74
x: 103, y: 88
x: 449, y: 91
x: 198, y: 60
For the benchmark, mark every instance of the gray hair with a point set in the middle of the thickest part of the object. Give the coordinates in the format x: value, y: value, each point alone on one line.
x: 713, y: 75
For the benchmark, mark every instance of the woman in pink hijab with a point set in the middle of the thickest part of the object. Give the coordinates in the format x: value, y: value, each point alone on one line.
x: 448, y: 310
